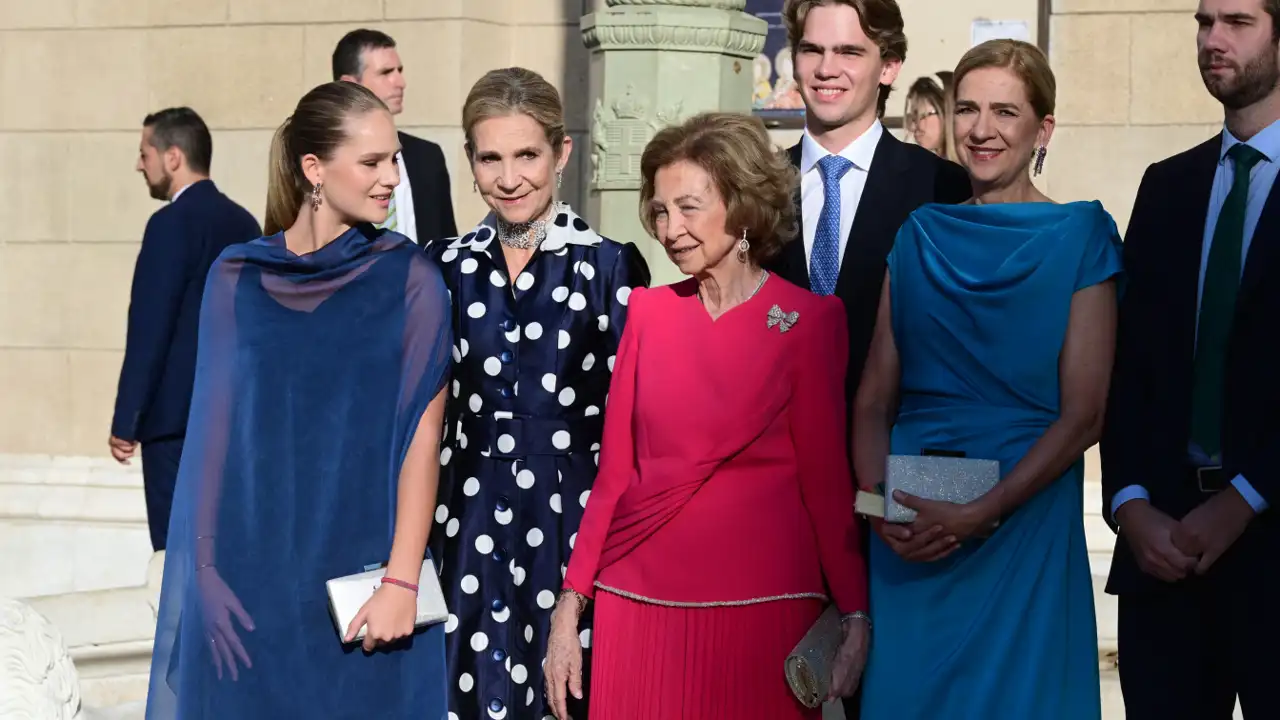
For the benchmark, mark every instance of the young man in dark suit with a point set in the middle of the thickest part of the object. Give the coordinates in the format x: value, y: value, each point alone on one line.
x: 422, y: 205
x: 858, y: 183
x: 181, y: 241
x: 847, y: 54
x: 1191, y: 449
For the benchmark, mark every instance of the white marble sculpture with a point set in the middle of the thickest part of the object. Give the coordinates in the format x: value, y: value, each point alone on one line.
x: 38, y: 681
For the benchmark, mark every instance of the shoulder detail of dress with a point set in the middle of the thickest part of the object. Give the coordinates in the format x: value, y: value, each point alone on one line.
x: 1011, y: 215
x: 664, y: 296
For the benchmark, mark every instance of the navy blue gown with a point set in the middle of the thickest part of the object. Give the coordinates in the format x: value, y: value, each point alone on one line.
x: 532, y: 361
x: 312, y: 375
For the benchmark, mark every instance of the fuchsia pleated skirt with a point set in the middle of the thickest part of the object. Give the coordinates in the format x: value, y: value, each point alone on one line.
x: 654, y: 662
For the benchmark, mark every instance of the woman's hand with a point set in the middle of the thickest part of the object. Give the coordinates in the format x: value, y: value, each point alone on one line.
x: 851, y: 659
x: 390, y: 615
x: 957, y: 521
x: 915, y: 543
x: 563, y: 665
x: 219, y: 604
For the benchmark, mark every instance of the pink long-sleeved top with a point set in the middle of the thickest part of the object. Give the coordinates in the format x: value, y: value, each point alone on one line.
x: 724, y: 476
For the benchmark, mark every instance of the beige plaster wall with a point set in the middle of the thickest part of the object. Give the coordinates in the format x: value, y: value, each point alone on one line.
x: 77, y: 76
x: 1129, y: 94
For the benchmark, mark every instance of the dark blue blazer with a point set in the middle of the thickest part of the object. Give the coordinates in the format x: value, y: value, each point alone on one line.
x: 181, y: 242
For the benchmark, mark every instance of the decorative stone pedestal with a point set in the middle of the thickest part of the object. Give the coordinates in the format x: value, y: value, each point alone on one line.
x: 653, y: 63
x: 76, y: 549
x: 37, y: 677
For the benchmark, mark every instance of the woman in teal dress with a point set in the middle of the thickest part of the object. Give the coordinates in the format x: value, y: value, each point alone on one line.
x: 995, y: 338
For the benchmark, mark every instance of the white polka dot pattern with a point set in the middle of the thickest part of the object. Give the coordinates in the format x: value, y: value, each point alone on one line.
x: 512, y: 493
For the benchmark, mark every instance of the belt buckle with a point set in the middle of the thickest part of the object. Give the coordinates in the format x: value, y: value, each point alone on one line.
x: 1209, y: 478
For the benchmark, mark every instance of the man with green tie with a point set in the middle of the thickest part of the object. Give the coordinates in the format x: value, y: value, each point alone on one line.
x: 1191, y: 450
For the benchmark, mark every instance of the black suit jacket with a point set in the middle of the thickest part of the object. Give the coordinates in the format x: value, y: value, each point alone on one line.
x: 1148, y: 425
x: 181, y: 242
x: 903, y: 177
x: 429, y: 183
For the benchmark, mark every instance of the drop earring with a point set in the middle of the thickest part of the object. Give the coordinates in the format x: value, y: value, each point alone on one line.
x: 475, y: 186
x: 559, y: 178
x: 315, y: 196
x: 744, y: 246
x: 1040, y: 159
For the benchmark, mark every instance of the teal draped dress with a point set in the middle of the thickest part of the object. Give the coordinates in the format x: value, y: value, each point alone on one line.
x: 1004, y: 627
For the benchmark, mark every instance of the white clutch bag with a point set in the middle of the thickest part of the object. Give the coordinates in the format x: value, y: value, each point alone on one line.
x: 349, y: 593
x: 932, y: 477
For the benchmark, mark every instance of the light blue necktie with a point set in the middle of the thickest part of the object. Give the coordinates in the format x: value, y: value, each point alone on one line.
x: 824, y: 263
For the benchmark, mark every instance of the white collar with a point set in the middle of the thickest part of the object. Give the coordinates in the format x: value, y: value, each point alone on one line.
x: 859, y: 152
x: 565, y: 229
x: 179, y: 193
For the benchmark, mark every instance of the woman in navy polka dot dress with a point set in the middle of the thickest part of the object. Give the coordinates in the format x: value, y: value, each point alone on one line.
x: 539, y: 302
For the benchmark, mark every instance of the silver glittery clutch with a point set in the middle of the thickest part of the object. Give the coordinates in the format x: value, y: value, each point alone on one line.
x: 936, y: 477
x: 808, y: 667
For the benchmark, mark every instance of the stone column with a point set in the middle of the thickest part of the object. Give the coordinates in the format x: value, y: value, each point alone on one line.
x: 653, y: 63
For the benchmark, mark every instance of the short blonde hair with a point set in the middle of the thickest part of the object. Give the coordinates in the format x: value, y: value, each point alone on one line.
x: 755, y: 180
x: 514, y: 91
x: 1024, y: 60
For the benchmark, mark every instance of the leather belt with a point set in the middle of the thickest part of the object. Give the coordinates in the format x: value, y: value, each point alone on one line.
x: 520, y: 437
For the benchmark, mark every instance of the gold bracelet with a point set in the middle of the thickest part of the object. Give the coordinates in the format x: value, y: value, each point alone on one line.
x: 579, y: 599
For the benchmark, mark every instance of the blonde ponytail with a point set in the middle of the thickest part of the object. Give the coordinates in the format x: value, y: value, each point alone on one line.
x: 315, y: 128
x: 284, y: 183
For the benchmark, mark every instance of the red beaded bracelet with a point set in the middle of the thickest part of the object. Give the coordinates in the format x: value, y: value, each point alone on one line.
x: 401, y: 583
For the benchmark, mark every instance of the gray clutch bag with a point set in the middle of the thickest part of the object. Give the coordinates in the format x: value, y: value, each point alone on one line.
x: 936, y: 477
x: 808, y: 667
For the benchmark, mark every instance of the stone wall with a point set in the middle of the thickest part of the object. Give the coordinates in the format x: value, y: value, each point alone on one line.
x: 1129, y: 94
x: 78, y: 76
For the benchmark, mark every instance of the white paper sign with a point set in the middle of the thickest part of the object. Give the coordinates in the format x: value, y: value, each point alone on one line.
x: 983, y: 30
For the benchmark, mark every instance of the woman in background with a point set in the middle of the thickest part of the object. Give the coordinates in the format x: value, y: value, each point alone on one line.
x: 928, y: 115
x: 995, y: 338
x: 312, y: 448
x: 540, y: 301
x: 724, y: 507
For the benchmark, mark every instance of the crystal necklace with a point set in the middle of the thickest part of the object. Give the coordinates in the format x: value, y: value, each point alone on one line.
x: 764, y: 275
x: 525, y: 235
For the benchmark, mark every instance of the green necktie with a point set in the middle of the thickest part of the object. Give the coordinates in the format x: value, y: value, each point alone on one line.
x: 390, y: 222
x: 1218, y: 305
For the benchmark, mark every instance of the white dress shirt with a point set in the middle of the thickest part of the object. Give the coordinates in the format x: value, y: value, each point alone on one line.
x: 405, y: 222
x: 859, y: 152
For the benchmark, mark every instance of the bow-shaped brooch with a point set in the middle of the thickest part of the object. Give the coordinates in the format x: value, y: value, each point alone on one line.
x: 784, y: 321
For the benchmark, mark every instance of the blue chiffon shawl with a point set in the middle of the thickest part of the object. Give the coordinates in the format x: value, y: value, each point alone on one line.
x: 312, y: 374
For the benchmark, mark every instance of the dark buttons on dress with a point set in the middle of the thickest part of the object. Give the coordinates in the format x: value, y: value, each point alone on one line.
x: 503, y: 504
x: 506, y: 357
x: 499, y: 655
x: 495, y: 705
x: 507, y: 392
x: 507, y: 325
x: 499, y: 556
x: 497, y: 605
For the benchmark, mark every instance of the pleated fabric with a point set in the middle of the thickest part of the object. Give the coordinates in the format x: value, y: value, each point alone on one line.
x: 654, y: 662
